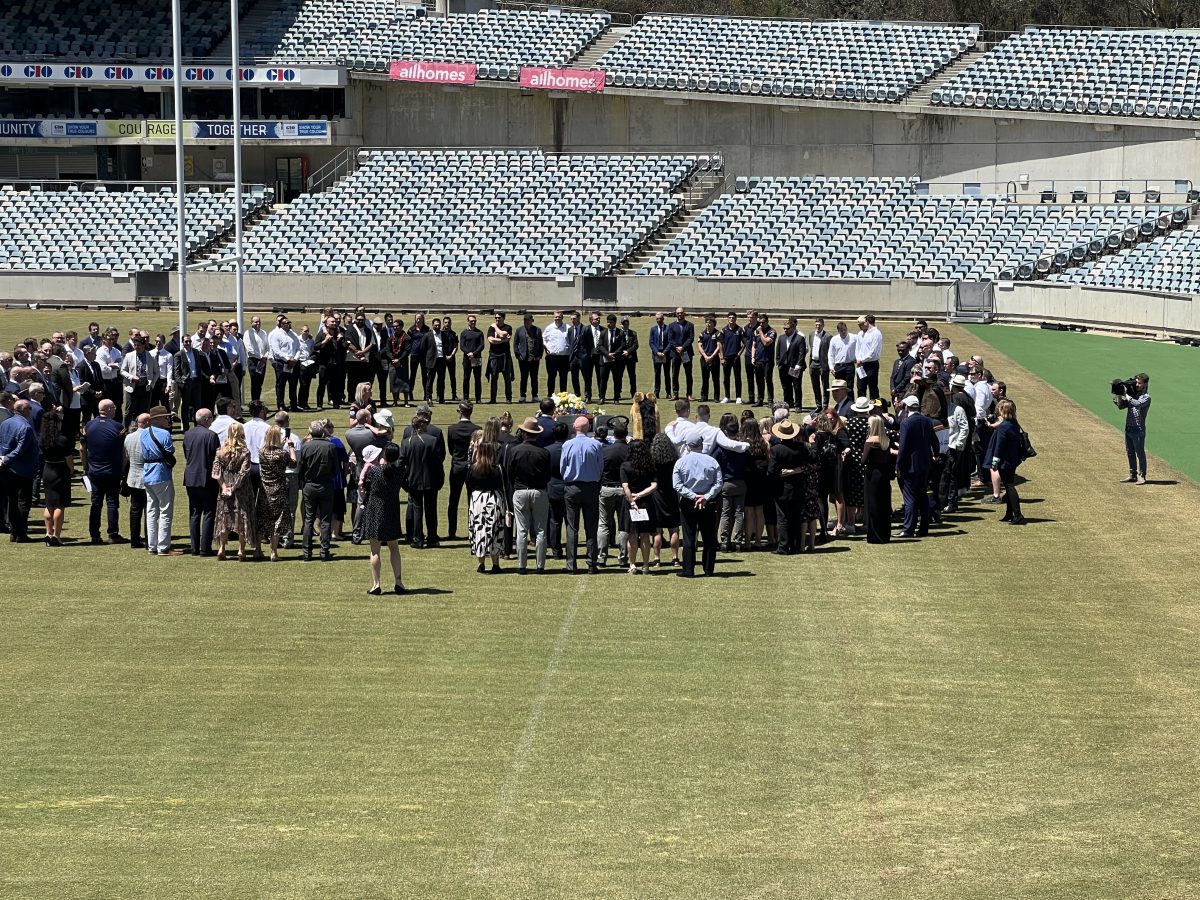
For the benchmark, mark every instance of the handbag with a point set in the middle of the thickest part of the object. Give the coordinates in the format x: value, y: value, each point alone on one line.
x: 1027, y: 451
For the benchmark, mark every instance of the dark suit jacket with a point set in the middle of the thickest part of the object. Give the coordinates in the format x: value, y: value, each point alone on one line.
x: 179, y: 366
x: 429, y: 350
x: 918, y: 445
x: 90, y: 372
x: 790, y: 354
x: 681, y: 334
x: 578, y: 350
x: 631, y: 344
x: 901, y: 373
x: 1005, y: 445
x: 458, y: 436
x: 200, y: 446
x: 434, y: 432
x: 658, y: 338
x: 354, y: 342
x: 528, y: 344
x: 60, y: 383
x: 611, y: 342
x: 449, y: 341
x: 589, y: 346
x: 425, y: 456
x: 820, y: 353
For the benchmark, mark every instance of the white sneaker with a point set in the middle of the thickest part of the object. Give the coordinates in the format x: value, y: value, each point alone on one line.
x: 738, y: 400
x: 724, y: 399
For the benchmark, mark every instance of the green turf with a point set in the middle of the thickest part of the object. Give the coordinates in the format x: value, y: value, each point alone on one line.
x: 992, y: 712
x: 1083, y: 365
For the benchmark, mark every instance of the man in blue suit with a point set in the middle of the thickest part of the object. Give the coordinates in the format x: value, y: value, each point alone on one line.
x: 658, y: 353
x: 681, y: 340
x: 20, y: 462
x: 918, y: 449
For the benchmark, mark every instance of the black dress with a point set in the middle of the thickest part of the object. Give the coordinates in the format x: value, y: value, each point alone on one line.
x: 639, y: 481
x: 756, y: 482
x: 877, y: 491
x: 381, y: 504
x: 666, y: 501
x: 56, y: 473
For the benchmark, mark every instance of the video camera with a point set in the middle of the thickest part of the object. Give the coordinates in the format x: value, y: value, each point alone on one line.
x: 1124, y: 387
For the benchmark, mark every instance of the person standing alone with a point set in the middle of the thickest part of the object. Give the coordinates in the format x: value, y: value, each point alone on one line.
x: 1136, y: 404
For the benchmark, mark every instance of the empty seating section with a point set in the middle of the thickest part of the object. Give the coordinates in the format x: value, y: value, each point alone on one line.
x: 103, y: 230
x: 474, y: 212
x: 368, y: 34
x: 866, y: 61
x: 882, y: 228
x: 93, y: 29
x: 328, y: 31
x: 1169, y: 263
x: 1155, y: 74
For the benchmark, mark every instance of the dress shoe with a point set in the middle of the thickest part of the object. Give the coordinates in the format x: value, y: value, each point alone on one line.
x: 375, y: 591
x: 905, y: 534
x: 684, y: 575
x: 592, y: 570
x: 170, y: 553
x: 1019, y: 520
x: 326, y: 557
x: 20, y: 539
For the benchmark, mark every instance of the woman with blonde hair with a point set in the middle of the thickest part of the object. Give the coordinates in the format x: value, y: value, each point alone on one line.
x: 879, y: 467
x: 274, y: 459
x: 1005, y: 454
x: 362, y: 400
x: 235, y: 494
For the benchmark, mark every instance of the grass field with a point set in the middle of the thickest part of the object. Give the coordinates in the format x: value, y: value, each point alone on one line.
x: 991, y: 712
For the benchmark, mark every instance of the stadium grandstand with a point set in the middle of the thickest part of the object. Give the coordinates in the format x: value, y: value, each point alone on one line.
x: 590, y: 154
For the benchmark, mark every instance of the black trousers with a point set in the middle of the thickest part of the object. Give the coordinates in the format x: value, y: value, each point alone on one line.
x: 436, y: 378
x: 305, y: 376
x: 382, y: 377
x: 18, y: 495
x: 202, y: 511
x: 452, y: 374
x: 789, y: 527
x: 557, y: 365
x: 662, y: 377
x: 529, y: 376
x: 588, y: 368
x: 331, y: 383
x: 581, y: 498
x: 470, y: 372
x: 576, y: 367
x: 137, y: 515
x: 191, y: 398
x: 749, y: 380
x: 868, y: 385
x: 137, y: 402
x: 820, y: 385
x: 631, y: 370
x: 845, y: 371
x: 458, y: 480
x: 676, y: 365
x: 106, y: 491
x: 611, y: 374
x: 421, y: 517
x: 947, y: 487
x: 558, y: 514
x: 497, y: 371
x: 764, y: 380
x: 792, y: 388
x: 318, y: 507
x: 285, y: 377
x: 733, y: 369
x: 704, y: 522
x: 1012, y: 500
x: 419, y: 375
x: 256, y: 380
x: 710, y: 379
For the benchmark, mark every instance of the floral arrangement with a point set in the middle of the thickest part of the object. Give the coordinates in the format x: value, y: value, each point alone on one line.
x: 566, y: 404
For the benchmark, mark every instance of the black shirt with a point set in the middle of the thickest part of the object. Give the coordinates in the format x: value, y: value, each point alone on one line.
x: 528, y: 466
x: 318, y: 463
x: 458, y: 441
x: 470, y: 341
x: 614, y: 457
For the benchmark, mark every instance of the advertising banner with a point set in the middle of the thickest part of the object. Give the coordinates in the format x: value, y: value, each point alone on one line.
x: 433, y: 72
x: 120, y: 74
x: 202, y: 131
x: 70, y: 129
x: 589, y: 80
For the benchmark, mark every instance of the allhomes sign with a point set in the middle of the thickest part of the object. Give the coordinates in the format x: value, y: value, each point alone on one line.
x: 432, y: 72
x: 590, y: 80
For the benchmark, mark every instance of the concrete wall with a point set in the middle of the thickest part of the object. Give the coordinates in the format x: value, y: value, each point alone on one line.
x: 1162, y: 314
x: 760, y: 139
x: 73, y: 289
x: 383, y: 291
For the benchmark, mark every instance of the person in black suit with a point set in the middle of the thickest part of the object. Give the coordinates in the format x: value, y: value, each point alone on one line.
x: 200, y: 446
x: 217, y: 384
x: 89, y: 373
x: 818, y: 364
x: 577, y: 352
x: 918, y: 449
x: 435, y: 363
x: 681, y: 341
x: 628, y: 356
x: 612, y: 364
x: 529, y: 348
x: 790, y: 352
x: 450, y: 352
x: 458, y: 442
x: 423, y: 462
x: 901, y: 371
x: 439, y: 450
x: 418, y: 352
x: 590, y: 353
x: 362, y: 353
x: 470, y: 348
x: 658, y: 352
x: 191, y: 374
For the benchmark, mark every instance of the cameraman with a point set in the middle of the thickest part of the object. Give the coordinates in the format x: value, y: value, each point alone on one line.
x: 1136, y: 403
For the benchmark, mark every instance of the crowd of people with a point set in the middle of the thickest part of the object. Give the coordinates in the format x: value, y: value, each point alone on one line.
x: 785, y: 480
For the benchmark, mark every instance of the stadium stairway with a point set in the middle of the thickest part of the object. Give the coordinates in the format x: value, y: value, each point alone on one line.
x: 592, y: 52
x: 921, y: 95
x: 698, y: 193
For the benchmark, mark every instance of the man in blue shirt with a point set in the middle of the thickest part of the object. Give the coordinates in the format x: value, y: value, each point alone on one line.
x: 681, y: 338
x: 20, y: 461
x: 158, y: 459
x: 582, y: 465
x: 697, y: 480
x: 1136, y: 404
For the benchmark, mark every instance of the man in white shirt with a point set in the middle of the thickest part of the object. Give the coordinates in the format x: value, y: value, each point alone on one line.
x: 235, y: 349
x: 712, y: 436
x: 258, y: 352
x: 556, y: 339
x: 285, y: 357
x: 680, y: 430
x: 256, y: 431
x: 868, y: 349
x: 842, y: 353
x: 227, y: 413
